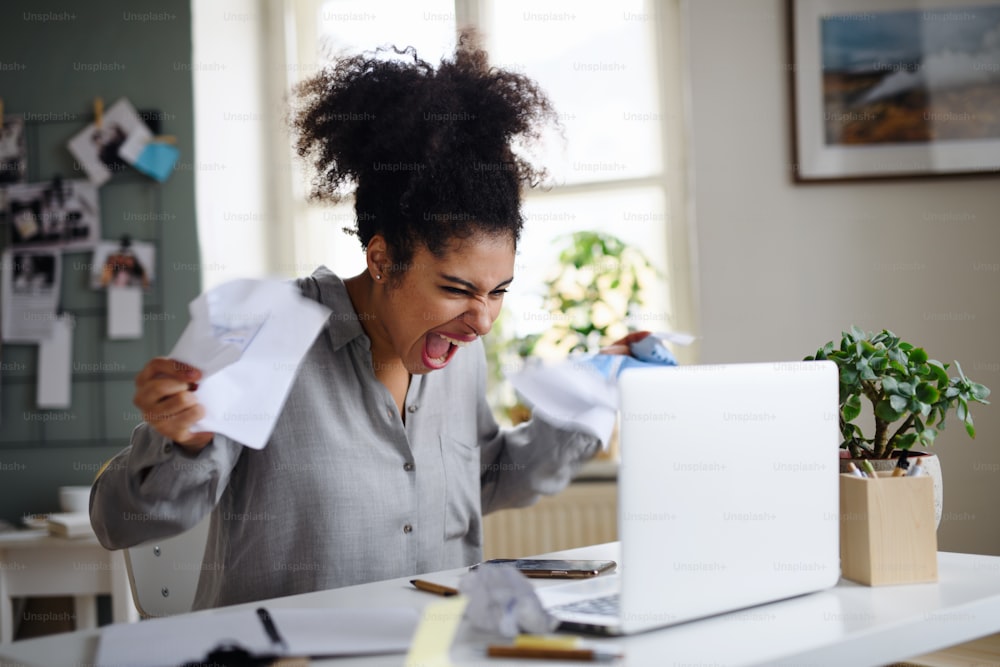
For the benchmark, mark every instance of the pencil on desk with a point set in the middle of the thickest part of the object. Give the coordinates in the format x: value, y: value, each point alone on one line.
x: 431, y: 587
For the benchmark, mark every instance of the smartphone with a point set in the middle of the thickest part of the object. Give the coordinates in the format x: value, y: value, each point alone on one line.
x: 555, y: 569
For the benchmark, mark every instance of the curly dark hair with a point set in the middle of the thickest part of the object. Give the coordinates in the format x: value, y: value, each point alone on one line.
x: 428, y: 151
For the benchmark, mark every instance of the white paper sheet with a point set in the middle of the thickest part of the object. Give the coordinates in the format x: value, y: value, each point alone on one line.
x: 30, y: 294
x: 55, y: 361
x: 310, y: 632
x: 570, y: 394
x: 247, y: 337
x: 124, y: 312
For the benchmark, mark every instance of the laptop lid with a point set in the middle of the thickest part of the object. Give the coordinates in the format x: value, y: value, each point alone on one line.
x: 728, y: 488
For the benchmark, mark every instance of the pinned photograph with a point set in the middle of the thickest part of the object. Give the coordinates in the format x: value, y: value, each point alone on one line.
x: 13, y: 151
x: 57, y: 214
x: 30, y: 289
x: 111, y: 143
x: 123, y: 263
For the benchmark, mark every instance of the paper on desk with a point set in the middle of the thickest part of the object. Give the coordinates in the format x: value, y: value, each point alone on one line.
x: 187, y: 638
x: 570, y: 394
x: 502, y: 601
x: 247, y: 337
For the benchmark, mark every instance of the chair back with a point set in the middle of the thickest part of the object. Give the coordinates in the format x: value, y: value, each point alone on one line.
x: 164, y: 573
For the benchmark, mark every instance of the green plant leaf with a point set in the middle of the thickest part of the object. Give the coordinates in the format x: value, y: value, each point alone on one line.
x: 918, y: 355
x: 885, y: 411
x: 906, y: 389
x: 979, y: 392
x: 898, y: 403
x: 852, y: 408
x: 890, y: 385
x: 858, y: 333
x: 906, y: 441
x: 970, y: 429
x: 928, y: 393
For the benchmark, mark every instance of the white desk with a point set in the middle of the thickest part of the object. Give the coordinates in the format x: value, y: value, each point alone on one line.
x: 33, y: 563
x: 848, y: 625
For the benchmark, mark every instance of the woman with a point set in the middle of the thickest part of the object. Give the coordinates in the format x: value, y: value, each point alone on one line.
x: 386, y: 454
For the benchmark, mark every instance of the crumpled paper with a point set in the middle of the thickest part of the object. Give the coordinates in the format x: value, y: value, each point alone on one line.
x: 581, y: 392
x: 502, y: 601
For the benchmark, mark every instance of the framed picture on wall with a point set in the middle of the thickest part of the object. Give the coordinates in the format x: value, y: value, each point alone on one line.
x: 895, y: 88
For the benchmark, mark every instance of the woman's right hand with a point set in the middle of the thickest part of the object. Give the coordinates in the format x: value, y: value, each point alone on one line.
x: 164, y: 392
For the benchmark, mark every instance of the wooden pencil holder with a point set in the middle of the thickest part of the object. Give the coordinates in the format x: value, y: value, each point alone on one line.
x: 887, y: 530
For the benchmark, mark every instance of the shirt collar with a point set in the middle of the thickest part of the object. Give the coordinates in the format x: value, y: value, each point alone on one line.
x: 344, y: 325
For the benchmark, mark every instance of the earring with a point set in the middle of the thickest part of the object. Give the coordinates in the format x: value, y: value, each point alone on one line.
x: 378, y: 277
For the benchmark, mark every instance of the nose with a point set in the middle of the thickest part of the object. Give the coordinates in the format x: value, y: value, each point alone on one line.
x: 479, y: 316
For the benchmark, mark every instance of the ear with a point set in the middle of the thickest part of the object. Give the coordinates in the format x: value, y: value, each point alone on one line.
x: 378, y: 258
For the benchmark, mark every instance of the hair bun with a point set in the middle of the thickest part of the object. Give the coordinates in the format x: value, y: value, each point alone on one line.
x: 417, y: 141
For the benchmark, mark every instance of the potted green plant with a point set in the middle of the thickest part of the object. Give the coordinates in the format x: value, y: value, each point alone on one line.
x: 910, y: 396
x: 596, y: 284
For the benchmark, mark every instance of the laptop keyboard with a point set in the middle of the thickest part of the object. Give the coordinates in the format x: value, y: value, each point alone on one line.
x: 603, y: 606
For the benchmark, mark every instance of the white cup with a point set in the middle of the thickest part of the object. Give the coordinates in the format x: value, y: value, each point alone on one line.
x: 74, y: 498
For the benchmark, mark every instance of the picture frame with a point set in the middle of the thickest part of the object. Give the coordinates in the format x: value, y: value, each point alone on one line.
x: 894, y: 88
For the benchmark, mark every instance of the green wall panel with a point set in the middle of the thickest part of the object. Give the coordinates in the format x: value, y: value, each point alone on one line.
x: 57, y: 58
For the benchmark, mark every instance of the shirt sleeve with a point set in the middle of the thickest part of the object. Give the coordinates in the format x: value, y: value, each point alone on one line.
x: 154, y: 489
x: 535, y: 458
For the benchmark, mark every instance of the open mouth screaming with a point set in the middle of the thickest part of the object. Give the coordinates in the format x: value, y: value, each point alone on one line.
x: 439, y: 348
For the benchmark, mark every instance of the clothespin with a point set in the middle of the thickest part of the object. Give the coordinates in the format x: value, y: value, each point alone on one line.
x: 98, y: 112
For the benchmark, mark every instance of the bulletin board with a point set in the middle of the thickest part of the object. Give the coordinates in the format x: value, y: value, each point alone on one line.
x: 102, y: 369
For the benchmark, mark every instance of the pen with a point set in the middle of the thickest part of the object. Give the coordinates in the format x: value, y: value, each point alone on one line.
x: 591, y: 655
x: 271, y: 629
x: 869, y: 468
x: 437, y: 589
x: 917, y: 469
x: 853, y: 469
x: 901, y: 466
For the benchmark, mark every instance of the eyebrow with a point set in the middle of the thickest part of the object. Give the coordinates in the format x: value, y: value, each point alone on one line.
x: 472, y: 286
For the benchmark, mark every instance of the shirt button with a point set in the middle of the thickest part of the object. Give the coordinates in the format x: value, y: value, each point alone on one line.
x: 407, y: 528
x: 391, y: 413
x: 412, y: 409
x: 408, y: 466
x: 167, y: 448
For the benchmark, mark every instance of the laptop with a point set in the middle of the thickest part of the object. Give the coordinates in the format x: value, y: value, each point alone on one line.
x: 728, y: 496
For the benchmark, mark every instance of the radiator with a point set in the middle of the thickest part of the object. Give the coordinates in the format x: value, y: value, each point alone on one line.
x: 584, y: 513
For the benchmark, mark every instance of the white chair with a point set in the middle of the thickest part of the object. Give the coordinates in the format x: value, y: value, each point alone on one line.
x: 164, y: 573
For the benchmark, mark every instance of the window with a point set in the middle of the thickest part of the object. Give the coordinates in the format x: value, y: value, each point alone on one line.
x: 612, y: 70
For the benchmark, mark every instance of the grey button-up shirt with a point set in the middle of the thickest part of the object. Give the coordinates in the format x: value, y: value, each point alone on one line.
x: 345, y: 492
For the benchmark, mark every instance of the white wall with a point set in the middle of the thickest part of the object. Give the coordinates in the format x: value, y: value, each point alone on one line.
x: 783, y: 268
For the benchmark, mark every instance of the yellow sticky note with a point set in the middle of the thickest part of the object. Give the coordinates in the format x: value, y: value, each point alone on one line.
x: 436, y: 632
